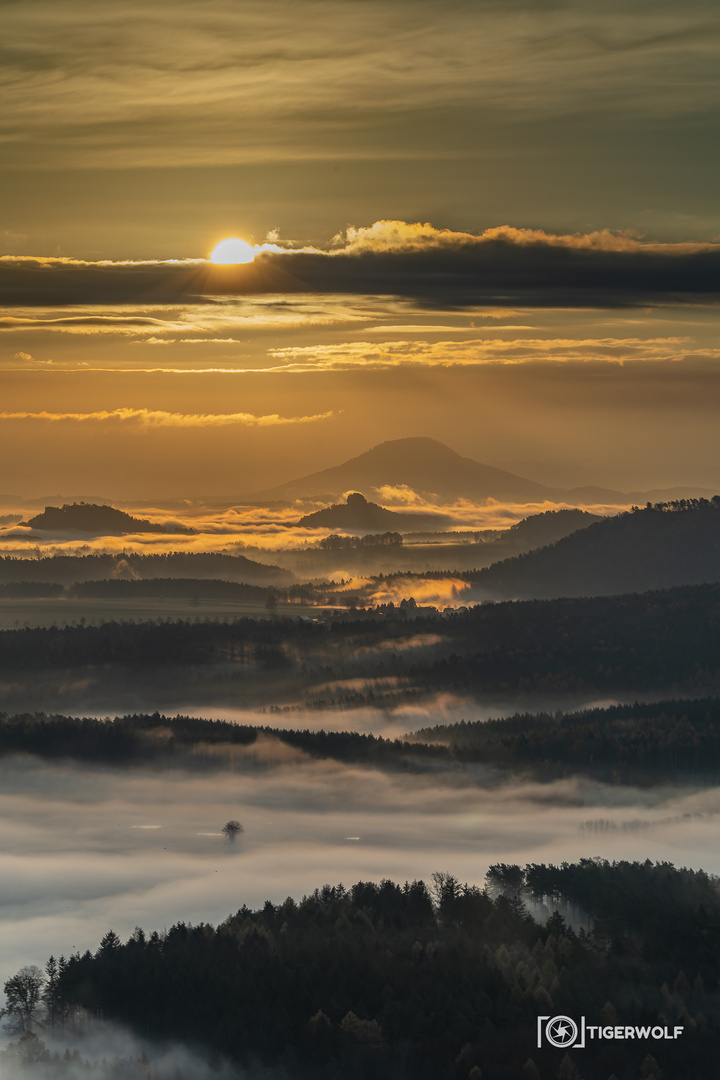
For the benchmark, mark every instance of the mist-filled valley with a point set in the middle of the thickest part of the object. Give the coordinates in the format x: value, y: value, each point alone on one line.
x: 92, y: 852
x: 89, y: 848
x: 202, y: 732
x: 265, y: 809
x: 359, y: 540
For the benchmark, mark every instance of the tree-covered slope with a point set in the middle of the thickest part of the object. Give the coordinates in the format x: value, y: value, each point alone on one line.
x: 651, y: 548
x: 98, y: 519
x: 383, y: 981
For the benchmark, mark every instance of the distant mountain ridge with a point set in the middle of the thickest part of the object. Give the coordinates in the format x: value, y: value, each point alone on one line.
x: 432, y: 469
x: 657, y: 547
x: 426, y: 466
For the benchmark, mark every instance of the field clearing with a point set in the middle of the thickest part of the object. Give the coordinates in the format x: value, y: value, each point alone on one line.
x: 68, y: 611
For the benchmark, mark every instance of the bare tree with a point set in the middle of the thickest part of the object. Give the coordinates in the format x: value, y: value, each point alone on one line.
x: 24, y: 993
x: 232, y: 829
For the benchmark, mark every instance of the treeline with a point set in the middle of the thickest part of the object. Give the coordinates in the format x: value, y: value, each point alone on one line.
x: 546, y: 527
x: 142, y: 588
x: 623, y: 898
x: 336, y: 542
x: 680, y: 505
x: 388, y: 980
x: 655, y: 641
x: 670, y: 741
x: 654, y: 547
x: 67, y: 569
x: 159, y: 588
x: 667, y: 641
x: 185, y: 740
x: 639, y: 743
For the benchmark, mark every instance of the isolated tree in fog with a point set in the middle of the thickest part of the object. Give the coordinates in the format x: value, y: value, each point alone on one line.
x: 23, y: 993
x: 232, y: 829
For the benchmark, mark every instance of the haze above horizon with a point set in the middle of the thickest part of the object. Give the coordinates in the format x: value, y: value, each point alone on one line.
x: 518, y: 258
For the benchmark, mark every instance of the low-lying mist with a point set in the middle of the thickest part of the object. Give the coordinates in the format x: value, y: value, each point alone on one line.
x: 88, y: 849
x: 266, y: 530
x: 99, y: 1048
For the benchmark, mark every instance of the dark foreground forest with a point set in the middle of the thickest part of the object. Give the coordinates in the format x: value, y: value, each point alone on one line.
x: 440, y: 983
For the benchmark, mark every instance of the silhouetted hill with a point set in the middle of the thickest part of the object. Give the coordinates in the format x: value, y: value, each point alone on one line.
x: 546, y: 528
x: 97, y: 520
x: 359, y: 515
x: 424, y: 465
x: 68, y: 569
x: 656, y: 547
x: 429, y: 467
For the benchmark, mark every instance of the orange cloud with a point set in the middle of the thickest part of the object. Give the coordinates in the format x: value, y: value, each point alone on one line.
x: 160, y: 418
x: 484, y: 351
x: 438, y: 592
x: 403, y: 236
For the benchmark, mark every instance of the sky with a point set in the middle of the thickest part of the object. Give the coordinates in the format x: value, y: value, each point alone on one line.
x: 494, y: 224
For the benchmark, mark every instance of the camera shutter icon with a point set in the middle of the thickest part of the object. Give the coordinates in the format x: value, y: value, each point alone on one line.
x: 561, y: 1031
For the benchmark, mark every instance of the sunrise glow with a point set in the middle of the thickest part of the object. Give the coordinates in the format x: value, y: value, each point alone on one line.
x: 278, y: 540
x: 232, y: 251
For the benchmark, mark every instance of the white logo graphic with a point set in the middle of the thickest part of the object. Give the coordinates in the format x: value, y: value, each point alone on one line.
x: 563, y: 1032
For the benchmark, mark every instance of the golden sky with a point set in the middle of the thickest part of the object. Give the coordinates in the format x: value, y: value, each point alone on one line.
x: 495, y: 224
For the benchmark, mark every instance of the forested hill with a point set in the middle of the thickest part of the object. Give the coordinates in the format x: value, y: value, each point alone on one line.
x: 665, y: 642
x: 385, y: 981
x: 546, y: 527
x: 356, y: 514
x: 675, y: 741
x: 97, y: 519
x: 655, y: 547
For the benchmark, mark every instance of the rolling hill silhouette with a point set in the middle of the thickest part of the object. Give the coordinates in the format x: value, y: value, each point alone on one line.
x: 656, y: 547
x: 97, y: 520
x: 359, y: 515
x: 129, y: 566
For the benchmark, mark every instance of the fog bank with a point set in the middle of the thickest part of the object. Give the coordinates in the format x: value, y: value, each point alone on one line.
x: 84, y: 850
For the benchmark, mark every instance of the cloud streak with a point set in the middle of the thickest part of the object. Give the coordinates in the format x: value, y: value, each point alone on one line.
x: 161, y: 418
x: 388, y: 354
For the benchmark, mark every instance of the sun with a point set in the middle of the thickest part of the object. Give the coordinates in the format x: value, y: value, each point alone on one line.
x: 232, y: 251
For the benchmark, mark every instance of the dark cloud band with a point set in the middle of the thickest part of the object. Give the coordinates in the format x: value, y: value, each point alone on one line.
x: 505, y: 267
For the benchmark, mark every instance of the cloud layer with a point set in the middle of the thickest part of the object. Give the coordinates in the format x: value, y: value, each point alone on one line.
x: 155, y: 85
x: 162, y: 418
x: 502, y: 266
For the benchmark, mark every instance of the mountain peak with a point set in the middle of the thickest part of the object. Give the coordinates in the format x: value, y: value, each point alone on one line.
x: 424, y: 465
